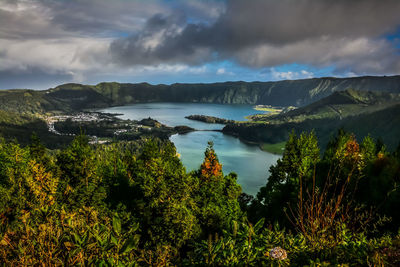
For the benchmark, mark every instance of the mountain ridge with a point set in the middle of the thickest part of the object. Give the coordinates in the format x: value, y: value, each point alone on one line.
x: 73, y: 96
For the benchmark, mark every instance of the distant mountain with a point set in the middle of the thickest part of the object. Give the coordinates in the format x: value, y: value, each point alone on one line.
x: 69, y: 97
x: 281, y: 93
x: 358, y: 112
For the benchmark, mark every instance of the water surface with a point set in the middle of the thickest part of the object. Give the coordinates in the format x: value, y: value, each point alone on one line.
x: 173, y: 114
x: 248, y: 161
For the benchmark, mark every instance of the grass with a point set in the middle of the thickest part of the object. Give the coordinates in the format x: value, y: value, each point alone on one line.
x: 273, y: 148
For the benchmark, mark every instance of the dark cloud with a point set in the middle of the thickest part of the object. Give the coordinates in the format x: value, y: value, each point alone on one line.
x: 285, y: 21
x: 84, y: 38
x: 52, y: 18
x: 22, y: 23
x: 103, y: 16
x: 163, y: 40
x: 261, y: 33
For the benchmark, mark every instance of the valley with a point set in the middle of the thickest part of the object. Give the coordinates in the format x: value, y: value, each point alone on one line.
x: 112, y: 112
x: 306, y: 95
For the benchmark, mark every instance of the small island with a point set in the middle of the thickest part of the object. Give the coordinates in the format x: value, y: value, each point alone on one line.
x: 209, y: 119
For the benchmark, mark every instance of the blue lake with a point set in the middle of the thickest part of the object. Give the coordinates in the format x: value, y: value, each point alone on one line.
x: 249, y: 162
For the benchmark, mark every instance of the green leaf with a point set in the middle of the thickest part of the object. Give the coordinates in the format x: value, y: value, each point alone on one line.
x: 134, y: 227
x: 77, y: 239
x: 217, y: 247
x: 114, y: 240
x: 259, y: 225
x: 102, y: 263
x: 129, y: 244
x: 117, y: 224
x: 85, y: 238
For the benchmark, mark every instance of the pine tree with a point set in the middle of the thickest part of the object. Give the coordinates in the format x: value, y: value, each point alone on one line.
x: 160, y: 197
x: 217, y: 195
x: 296, y: 166
x: 80, y: 184
x: 210, y: 168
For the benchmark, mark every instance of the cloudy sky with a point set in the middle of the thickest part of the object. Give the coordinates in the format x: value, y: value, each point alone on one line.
x: 44, y: 43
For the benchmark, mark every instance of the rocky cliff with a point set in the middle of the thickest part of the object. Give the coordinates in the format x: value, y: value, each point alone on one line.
x: 281, y: 93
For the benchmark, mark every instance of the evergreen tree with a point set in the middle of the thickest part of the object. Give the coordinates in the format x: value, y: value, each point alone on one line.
x: 15, y: 195
x: 161, y: 196
x: 80, y: 184
x: 217, y: 195
x: 37, y: 149
x: 368, y: 149
x: 296, y: 166
x: 210, y: 168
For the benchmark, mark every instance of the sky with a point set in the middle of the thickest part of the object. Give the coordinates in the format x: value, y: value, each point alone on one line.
x: 44, y: 43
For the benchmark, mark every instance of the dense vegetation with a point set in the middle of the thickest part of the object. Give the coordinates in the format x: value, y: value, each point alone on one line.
x: 133, y: 203
x: 209, y: 119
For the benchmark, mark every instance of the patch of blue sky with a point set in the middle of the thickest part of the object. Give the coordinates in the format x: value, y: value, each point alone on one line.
x: 298, y: 68
x: 121, y: 34
x: 295, y: 71
x: 394, y: 38
x: 218, y: 71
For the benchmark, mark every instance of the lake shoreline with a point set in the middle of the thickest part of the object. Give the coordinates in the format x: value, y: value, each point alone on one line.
x: 247, y: 159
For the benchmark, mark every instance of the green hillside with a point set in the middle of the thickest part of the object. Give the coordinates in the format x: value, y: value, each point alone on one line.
x: 359, y: 112
x: 77, y: 97
x: 14, y: 126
